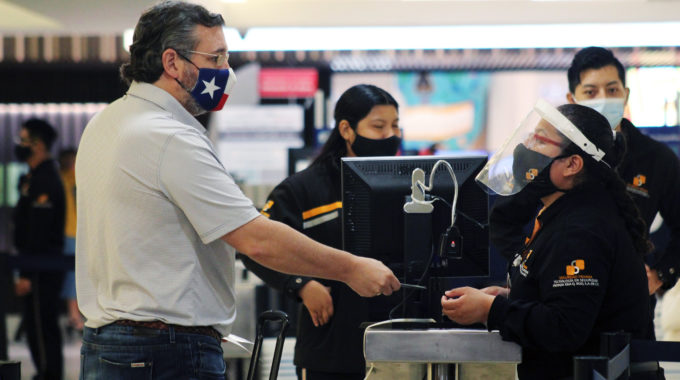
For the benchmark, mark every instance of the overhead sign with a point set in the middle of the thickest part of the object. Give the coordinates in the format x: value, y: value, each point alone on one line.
x: 288, y: 83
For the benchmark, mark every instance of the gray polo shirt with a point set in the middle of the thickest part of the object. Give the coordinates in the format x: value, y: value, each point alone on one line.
x: 153, y: 200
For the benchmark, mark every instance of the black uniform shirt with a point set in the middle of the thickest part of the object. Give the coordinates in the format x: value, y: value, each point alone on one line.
x: 40, y: 212
x: 310, y: 202
x: 578, y: 277
x: 651, y: 172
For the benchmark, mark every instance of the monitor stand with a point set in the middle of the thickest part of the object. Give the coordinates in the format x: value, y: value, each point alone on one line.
x: 417, y: 256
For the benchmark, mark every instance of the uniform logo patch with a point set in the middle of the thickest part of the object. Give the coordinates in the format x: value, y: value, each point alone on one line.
x: 531, y: 174
x: 576, y: 276
x: 639, y: 180
x: 576, y: 267
x: 43, y: 201
x: 636, y: 186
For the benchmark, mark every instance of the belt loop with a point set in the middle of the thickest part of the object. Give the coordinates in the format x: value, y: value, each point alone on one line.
x: 171, y: 331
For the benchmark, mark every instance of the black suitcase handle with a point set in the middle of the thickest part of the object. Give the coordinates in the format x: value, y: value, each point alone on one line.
x: 269, y: 315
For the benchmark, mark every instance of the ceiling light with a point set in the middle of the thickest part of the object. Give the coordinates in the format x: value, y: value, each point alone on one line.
x: 458, y: 37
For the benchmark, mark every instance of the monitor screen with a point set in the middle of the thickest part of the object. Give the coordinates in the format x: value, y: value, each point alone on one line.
x: 374, y: 190
x: 300, y: 158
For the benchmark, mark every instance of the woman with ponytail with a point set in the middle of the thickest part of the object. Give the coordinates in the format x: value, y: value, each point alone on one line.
x: 594, y: 172
x: 329, y: 340
x: 581, y: 272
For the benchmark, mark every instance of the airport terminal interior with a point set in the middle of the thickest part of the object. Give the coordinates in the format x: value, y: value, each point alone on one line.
x: 465, y: 74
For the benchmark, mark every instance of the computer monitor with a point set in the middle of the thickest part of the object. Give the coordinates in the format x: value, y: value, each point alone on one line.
x: 300, y: 158
x: 374, y: 191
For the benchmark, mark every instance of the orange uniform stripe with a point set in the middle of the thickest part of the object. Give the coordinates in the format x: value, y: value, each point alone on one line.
x: 320, y: 210
x: 537, y: 227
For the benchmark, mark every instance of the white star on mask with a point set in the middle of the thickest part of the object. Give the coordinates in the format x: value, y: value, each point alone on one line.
x: 210, y: 88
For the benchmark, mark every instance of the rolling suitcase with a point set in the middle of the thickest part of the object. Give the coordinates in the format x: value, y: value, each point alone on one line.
x: 272, y: 316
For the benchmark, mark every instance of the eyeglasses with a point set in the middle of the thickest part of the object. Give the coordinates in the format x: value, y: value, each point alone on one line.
x: 534, y: 139
x: 23, y: 141
x: 219, y: 59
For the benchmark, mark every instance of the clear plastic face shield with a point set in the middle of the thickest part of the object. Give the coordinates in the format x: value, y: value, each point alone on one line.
x: 531, y: 148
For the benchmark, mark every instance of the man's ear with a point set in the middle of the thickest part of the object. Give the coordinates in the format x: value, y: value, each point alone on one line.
x: 39, y: 146
x: 171, y: 65
x: 346, y: 131
x: 627, y: 91
x: 570, y: 98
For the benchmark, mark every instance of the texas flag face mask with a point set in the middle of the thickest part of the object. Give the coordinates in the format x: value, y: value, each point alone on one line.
x: 213, y: 87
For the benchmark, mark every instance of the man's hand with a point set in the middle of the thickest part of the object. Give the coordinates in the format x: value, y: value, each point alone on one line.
x: 370, y: 278
x: 653, y: 281
x: 496, y: 291
x: 317, y: 299
x: 466, y: 305
x: 22, y: 286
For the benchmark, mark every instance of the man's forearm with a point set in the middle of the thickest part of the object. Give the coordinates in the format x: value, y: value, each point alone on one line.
x: 279, y: 247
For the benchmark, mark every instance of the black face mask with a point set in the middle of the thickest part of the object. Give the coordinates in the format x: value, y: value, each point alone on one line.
x: 526, y: 168
x: 364, y: 147
x: 22, y: 152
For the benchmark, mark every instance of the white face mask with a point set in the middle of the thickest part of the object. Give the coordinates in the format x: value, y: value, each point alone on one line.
x: 611, y: 108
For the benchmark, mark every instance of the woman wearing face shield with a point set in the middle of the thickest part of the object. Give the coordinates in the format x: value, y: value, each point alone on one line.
x: 329, y: 340
x: 581, y: 272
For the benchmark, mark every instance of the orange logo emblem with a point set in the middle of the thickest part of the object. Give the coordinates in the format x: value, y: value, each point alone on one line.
x: 531, y: 174
x: 576, y: 267
x: 639, y: 180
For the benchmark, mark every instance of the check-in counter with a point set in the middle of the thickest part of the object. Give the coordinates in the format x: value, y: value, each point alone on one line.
x: 436, y: 353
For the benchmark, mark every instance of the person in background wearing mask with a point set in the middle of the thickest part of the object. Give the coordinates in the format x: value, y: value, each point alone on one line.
x: 67, y: 170
x: 649, y: 168
x: 39, y: 236
x: 160, y: 218
x: 329, y: 340
x: 581, y: 272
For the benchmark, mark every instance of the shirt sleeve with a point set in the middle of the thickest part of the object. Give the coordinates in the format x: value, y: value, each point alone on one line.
x: 281, y: 206
x: 195, y: 180
x: 668, y: 261
x: 571, y: 287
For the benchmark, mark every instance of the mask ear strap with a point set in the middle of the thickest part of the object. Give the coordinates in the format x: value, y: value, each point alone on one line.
x: 181, y: 85
x: 564, y: 155
x: 188, y: 60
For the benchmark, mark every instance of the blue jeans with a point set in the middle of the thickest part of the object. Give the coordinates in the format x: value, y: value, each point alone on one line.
x: 115, y: 352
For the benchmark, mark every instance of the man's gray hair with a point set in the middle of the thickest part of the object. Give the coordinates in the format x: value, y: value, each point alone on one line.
x: 170, y: 24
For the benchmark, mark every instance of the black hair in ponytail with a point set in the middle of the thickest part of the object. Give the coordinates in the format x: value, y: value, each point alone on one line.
x: 596, y: 129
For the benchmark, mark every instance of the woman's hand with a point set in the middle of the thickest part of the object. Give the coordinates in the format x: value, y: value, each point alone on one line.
x: 466, y: 305
x: 496, y: 291
x: 317, y: 299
